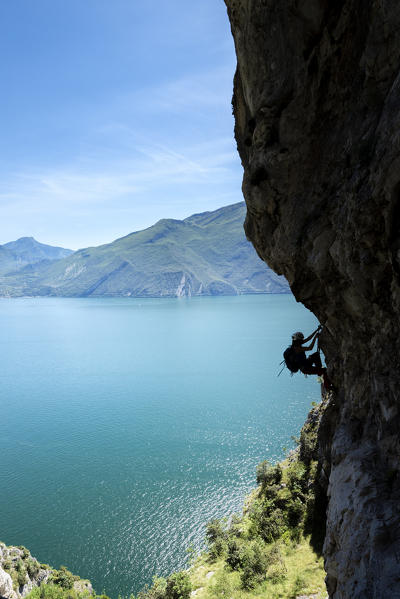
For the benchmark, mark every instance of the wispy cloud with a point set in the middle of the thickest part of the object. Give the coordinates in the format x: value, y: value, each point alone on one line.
x: 157, y: 181
x: 198, y: 93
x: 168, y: 153
x: 155, y: 166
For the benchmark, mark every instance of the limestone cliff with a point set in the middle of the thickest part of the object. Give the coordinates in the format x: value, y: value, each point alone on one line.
x: 20, y: 573
x: 317, y: 110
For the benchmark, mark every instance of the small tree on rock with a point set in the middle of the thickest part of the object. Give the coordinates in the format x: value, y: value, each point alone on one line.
x: 178, y: 586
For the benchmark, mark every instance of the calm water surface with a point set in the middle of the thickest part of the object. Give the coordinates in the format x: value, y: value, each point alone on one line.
x: 126, y: 424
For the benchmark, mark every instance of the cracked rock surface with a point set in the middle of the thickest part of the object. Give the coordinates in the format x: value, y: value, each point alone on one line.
x: 317, y: 112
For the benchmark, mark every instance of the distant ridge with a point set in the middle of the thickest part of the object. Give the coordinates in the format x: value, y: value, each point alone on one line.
x: 204, y: 254
x: 14, y: 255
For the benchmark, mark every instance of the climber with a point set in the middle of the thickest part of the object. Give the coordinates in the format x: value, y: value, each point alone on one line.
x: 295, y: 356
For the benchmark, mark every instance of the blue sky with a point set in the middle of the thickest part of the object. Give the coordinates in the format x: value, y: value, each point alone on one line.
x: 115, y: 113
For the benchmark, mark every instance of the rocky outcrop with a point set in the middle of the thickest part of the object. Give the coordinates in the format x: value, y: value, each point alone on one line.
x: 317, y: 111
x: 20, y: 573
x: 6, y: 585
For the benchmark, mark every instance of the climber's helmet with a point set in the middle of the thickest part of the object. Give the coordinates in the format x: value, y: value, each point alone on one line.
x: 297, y: 336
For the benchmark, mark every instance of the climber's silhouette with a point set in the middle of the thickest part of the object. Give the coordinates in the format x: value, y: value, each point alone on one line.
x: 295, y: 356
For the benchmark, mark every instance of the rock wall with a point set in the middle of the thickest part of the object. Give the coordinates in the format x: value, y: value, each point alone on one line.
x: 317, y: 111
x: 20, y: 573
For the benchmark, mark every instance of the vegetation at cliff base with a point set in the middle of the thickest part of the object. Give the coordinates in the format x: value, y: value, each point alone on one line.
x: 54, y: 591
x: 272, y: 550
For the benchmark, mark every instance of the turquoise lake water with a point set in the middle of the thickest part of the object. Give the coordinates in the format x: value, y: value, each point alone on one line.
x: 126, y: 424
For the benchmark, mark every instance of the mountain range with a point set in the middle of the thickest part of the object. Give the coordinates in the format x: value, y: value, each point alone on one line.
x: 204, y: 254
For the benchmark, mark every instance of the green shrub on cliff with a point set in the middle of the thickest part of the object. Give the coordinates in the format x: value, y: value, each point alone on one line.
x: 267, y: 520
x: 295, y: 513
x: 216, y: 536
x: 214, y: 530
x: 32, y: 567
x: 18, y: 575
x: 7, y: 564
x: 64, y: 578
x: 297, y: 479
x: 308, y: 447
x: 53, y: 591
x: 268, y: 474
x: 178, y: 586
x: 25, y: 551
x: 21, y: 578
x: 222, y: 587
x: 234, y: 554
x: 156, y: 591
x: 254, y: 563
x: 217, y: 549
x: 236, y: 526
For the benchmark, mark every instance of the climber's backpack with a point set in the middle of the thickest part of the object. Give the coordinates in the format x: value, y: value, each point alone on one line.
x: 290, y: 357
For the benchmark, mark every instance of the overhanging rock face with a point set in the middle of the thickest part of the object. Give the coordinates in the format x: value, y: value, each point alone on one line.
x: 317, y: 110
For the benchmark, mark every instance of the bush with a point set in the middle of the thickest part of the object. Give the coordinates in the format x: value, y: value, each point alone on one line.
x: 234, y: 557
x: 235, y: 528
x: 52, y: 591
x: 32, y: 567
x: 255, y: 564
x: 271, y: 492
x: 19, y: 574
x: 19, y: 565
x: 309, y: 437
x: 217, y: 549
x: 178, y: 586
x: 297, y: 479
x: 46, y: 591
x: 63, y: 578
x: 21, y: 577
x: 283, y: 498
x: 295, y: 512
x: 156, y: 591
x: 222, y: 586
x: 214, y: 530
x: 276, y: 566
x: 295, y: 535
x: 268, y: 474
x: 248, y: 579
x: 271, y: 525
x: 25, y: 551
x: 7, y: 565
x: 274, y: 555
x: 277, y: 573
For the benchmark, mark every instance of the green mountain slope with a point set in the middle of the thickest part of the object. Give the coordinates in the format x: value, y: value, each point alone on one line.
x: 205, y: 254
x: 8, y: 261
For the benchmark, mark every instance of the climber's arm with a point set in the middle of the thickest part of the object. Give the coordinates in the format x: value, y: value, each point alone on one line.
x: 312, y: 334
x: 309, y: 347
